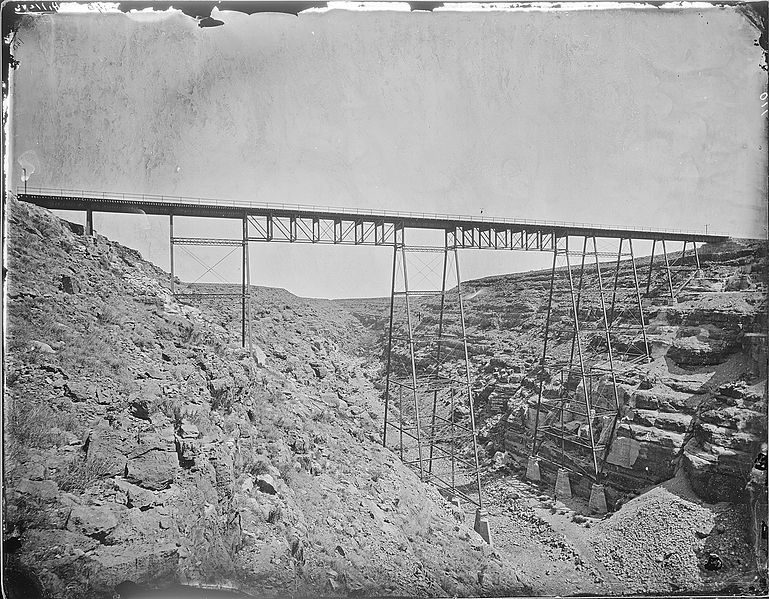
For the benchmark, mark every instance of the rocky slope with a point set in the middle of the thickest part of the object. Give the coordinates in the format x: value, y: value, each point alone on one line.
x: 144, y: 445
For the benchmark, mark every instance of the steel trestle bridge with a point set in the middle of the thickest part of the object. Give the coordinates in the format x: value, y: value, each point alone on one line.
x: 429, y: 413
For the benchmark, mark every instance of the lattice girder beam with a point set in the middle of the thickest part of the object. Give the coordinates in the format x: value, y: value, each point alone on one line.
x: 298, y: 229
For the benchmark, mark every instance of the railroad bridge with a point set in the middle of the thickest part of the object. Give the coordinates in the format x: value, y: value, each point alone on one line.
x: 429, y: 417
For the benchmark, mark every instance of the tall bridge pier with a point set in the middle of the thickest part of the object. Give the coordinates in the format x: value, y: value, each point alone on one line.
x: 429, y: 406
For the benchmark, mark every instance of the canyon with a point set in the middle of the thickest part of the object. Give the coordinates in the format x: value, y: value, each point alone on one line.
x: 145, y: 446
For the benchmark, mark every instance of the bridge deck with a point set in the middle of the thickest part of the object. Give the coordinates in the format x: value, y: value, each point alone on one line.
x: 462, y: 225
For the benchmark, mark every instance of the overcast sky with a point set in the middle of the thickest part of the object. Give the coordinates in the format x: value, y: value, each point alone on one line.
x: 631, y: 117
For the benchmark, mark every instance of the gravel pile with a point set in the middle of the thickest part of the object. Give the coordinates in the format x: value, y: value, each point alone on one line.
x: 654, y: 542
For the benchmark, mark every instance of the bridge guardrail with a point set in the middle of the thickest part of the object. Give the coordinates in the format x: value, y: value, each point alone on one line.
x: 105, y: 195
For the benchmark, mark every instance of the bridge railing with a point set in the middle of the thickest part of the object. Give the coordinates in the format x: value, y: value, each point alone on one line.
x: 143, y: 197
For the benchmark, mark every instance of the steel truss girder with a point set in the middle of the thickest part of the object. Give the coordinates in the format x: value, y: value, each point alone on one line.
x: 438, y: 435
x: 298, y: 229
x: 500, y: 238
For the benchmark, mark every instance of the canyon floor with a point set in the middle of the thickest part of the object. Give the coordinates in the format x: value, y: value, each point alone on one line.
x: 146, y: 448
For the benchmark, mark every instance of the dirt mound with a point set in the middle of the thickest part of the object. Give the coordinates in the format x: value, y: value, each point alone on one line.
x: 660, y: 541
x: 652, y: 543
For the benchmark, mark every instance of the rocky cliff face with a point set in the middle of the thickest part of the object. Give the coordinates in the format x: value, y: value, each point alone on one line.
x: 699, y: 406
x: 708, y: 361
x: 145, y: 445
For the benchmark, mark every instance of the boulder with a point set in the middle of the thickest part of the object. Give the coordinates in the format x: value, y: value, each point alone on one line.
x: 738, y: 282
x: 92, y: 521
x: 148, y: 562
x: 36, y: 471
x: 319, y: 369
x: 644, y: 454
x: 142, y: 401
x: 41, y: 347
x: 104, y: 447
x: 219, y: 386
x: 715, y: 474
x: 188, y: 430
x: 44, y: 490
x: 669, y: 421
x: 735, y: 418
x: 69, y: 284
x: 136, y: 497
x: 259, y: 356
x: 78, y: 391
x: 266, y: 484
x: 140, y: 407
x: 187, y: 451
x: 695, y: 351
x: 663, y: 400
x: 726, y: 437
x: 154, y: 469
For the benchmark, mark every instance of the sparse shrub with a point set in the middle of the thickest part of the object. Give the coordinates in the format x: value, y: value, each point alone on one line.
x: 49, y: 226
x: 275, y: 514
x: 259, y: 466
x: 81, y: 474
x: 188, y: 331
x: 109, y: 315
x: 222, y: 401
x: 200, y: 420
x: 269, y: 433
x: 172, y: 408
x: 27, y: 512
x: 114, y: 364
x: 11, y: 377
x: 163, y: 330
x: 29, y: 423
x: 143, y: 339
x: 286, y: 469
x: 124, y: 379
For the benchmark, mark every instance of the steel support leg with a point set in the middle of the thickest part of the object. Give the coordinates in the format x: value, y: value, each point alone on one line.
x: 611, y: 361
x: 469, y: 383
x: 389, y: 348
x: 667, y: 269
x: 616, y: 279
x: 579, y: 355
x: 438, y: 360
x: 243, y: 286
x: 579, y: 299
x: 638, y: 300
x: 247, y: 294
x: 651, y: 267
x: 89, y: 223
x: 171, y: 250
x: 418, y: 424
x: 696, y: 257
x: 544, y: 348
